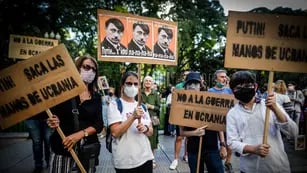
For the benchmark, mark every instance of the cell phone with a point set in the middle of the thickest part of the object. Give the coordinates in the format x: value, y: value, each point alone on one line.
x: 203, y: 127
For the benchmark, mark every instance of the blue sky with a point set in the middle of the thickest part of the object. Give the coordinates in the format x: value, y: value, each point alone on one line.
x: 247, y: 5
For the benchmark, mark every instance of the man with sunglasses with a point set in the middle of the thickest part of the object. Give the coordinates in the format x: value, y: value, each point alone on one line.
x: 245, y: 124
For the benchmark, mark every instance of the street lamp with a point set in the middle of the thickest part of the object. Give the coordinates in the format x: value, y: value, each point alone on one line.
x: 52, y: 35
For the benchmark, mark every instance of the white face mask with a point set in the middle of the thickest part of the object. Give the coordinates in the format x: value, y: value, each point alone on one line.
x: 130, y: 91
x: 87, y: 76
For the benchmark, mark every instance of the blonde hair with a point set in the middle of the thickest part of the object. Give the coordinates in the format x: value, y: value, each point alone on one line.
x: 280, y: 87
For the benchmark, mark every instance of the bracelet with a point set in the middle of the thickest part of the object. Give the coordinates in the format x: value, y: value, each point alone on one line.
x: 147, y: 129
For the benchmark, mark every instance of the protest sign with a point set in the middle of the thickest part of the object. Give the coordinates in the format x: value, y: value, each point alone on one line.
x: 198, y: 108
x: 269, y: 42
x: 36, y: 84
x: 24, y: 47
x: 124, y: 37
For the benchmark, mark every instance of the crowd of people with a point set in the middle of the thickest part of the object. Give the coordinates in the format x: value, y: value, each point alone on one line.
x: 134, y: 124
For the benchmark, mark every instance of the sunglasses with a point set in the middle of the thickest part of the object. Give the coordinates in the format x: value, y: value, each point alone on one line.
x: 88, y: 67
x: 130, y: 84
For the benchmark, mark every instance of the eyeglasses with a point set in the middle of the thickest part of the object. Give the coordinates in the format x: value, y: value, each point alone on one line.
x: 88, y: 67
x: 130, y: 83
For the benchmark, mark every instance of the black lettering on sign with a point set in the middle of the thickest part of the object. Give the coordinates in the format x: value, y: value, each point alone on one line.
x: 6, y: 83
x: 210, y: 118
x: 27, y: 40
x: 35, y: 71
x: 34, y: 98
x: 44, y: 43
x: 247, y: 51
x: 33, y: 52
x: 270, y: 52
x: 196, y: 99
x: 14, y: 106
x: 22, y: 52
x: 220, y: 102
x: 56, y: 62
x: 188, y: 114
x: 16, y: 40
x: 291, y: 54
x: 250, y: 27
x: 181, y: 97
x: 289, y: 31
x: 58, y: 88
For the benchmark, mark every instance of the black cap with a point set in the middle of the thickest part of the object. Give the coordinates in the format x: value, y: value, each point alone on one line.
x: 192, y: 76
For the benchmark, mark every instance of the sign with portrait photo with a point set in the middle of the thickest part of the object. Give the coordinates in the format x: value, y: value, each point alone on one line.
x: 103, y: 83
x: 124, y: 37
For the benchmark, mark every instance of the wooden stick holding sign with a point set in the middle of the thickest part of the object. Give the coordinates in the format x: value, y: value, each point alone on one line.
x: 139, y: 89
x: 72, y: 152
x: 267, y: 112
x: 199, y: 149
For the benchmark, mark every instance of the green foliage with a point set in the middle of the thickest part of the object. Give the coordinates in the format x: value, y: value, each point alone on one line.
x: 201, y: 29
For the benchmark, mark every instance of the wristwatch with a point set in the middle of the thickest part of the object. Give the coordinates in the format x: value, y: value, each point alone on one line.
x: 85, y: 133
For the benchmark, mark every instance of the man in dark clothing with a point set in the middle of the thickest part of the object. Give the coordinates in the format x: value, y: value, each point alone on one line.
x: 137, y: 45
x: 111, y: 43
x: 161, y: 48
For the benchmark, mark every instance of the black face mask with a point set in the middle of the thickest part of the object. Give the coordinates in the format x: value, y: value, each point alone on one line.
x: 110, y: 94
x: 245, y: 95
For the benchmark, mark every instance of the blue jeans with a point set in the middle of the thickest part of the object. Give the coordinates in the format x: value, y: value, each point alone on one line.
x: 40, y: 135
x: 212, y: 160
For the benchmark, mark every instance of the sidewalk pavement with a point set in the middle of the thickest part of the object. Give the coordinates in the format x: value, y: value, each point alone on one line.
x: 16, y: 156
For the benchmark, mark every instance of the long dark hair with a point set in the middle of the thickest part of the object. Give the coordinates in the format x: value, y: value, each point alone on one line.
x: 92, y: 87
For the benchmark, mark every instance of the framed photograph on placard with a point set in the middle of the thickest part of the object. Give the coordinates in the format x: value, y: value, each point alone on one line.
x: 103, y: 83
x: 300, y: 142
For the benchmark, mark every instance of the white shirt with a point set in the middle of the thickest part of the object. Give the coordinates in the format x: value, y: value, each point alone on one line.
x: 132, y: 149
x: 245, y: 127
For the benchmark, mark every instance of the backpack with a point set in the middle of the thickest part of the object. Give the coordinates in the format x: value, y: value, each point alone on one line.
x: 108, y: 135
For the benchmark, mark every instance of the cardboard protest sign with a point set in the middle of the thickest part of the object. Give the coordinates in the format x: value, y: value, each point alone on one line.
x: 36, y: 84
x: 266, y: 42
x: 124, y: 37
x: 198, y: 108
x: 24, y: 47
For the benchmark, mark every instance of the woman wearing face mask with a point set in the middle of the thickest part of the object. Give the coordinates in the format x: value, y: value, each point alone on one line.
x: 130, y: 127
x: 89, y: 119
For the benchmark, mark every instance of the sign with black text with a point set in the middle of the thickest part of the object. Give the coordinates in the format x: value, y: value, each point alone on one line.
x: 268, y: 42
x: 37, y: 84
x: 24, y: 47
x: 198, y: 108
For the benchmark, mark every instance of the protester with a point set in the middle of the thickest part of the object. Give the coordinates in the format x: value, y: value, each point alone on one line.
x: 297, y: 98
x: 130, y: 130
x: 221, y: 81
x: 245, y: 125
x: 169, y: 128
x: 210, y: 154
x: 106, y: 99
x: 152, y: 101
x: 89, y: 120
x: 179, y: 138
x: 39, y: 133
